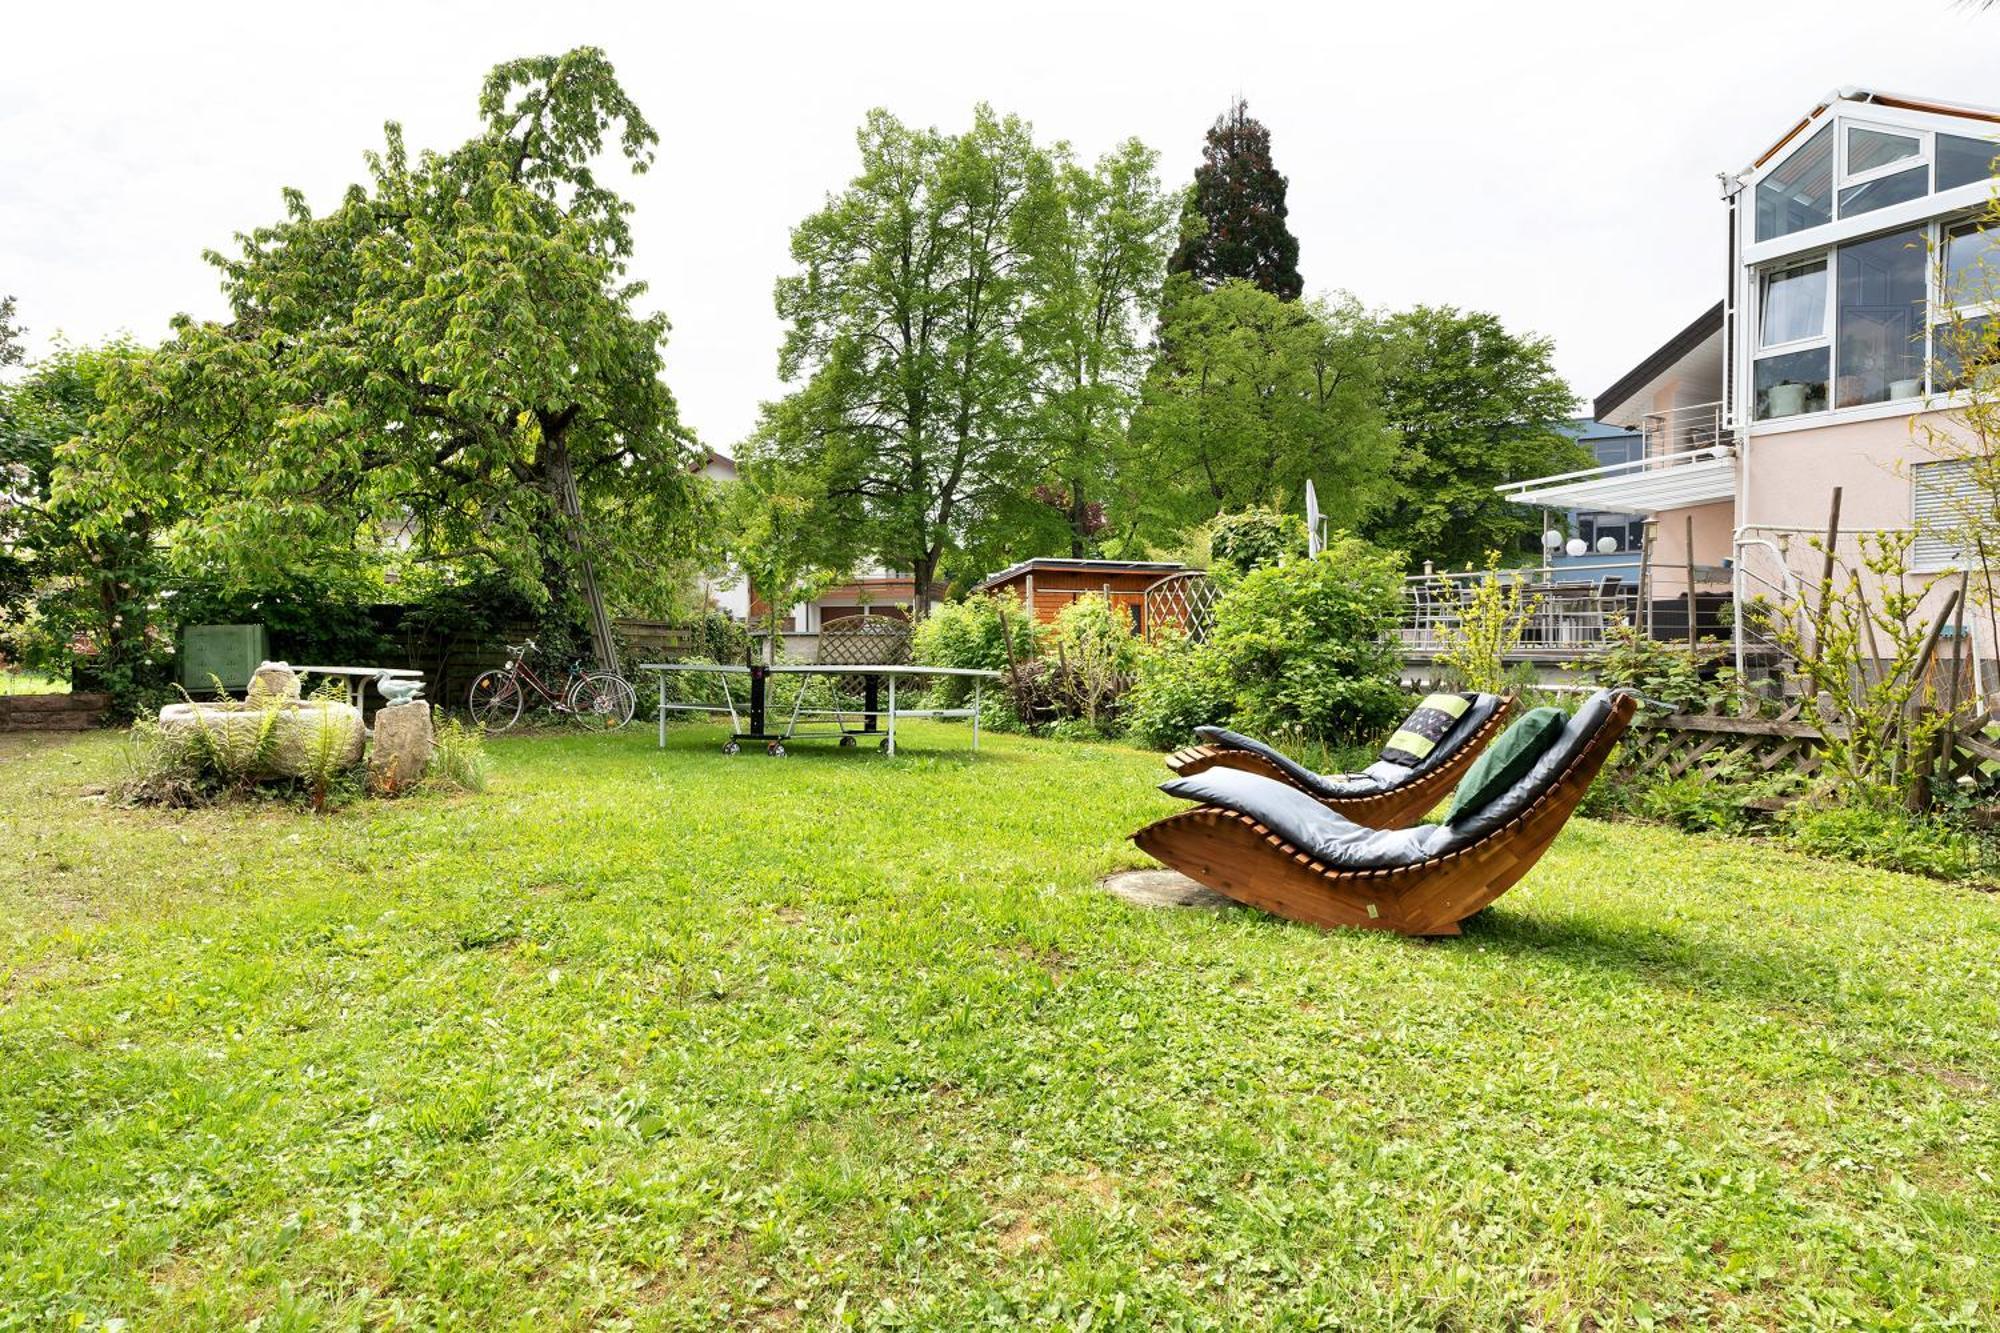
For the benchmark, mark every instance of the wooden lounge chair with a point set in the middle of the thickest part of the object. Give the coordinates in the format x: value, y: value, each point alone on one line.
x: 1267, y: 844
x: 1383, y: 795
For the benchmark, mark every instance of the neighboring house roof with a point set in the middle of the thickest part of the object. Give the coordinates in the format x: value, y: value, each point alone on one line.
x: 1588, y: 430
x: 1065, y: 565
x: 1671, y: 353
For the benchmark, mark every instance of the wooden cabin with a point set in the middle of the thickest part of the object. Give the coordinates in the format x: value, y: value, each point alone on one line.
x: 1047, y: 584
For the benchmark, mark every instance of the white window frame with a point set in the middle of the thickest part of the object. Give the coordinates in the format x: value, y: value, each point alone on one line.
x: 1940, y: 309
x: 1825, y: 336
x: 1844, y: 179
x: 1933, y: 212
x: 1923, y: 125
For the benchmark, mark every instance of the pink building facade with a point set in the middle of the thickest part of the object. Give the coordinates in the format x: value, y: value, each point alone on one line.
x: 1855, y: 243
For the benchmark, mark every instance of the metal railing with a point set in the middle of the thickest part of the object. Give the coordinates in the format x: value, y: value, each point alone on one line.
x: 1671, y: 439
x: 1680, y: 430
x: 1566, y: 612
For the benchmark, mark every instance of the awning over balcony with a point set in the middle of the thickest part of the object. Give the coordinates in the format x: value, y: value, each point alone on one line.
x: 1644, y: 486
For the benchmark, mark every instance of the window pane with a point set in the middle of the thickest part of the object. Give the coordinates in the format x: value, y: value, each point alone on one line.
x: 1628, y: 532
x: 1959, y: 343
x: 1961, y: 161
x: 1880, y: 193
x: 1794, y: 304
x: 1869, y: 149
x: 1798, y: 194
x: 1879, y: 326
x: 1972, y: 265
x: 1790, y: 383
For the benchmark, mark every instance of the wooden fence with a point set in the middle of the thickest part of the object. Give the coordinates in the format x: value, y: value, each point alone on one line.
x: 449, y: 663
x: 1748, y: 745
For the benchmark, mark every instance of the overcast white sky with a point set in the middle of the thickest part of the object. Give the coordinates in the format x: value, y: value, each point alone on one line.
x: 1552, y: 162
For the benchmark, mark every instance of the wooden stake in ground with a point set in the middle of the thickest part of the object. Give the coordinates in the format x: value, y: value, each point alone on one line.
x: 1693, y: 635
x: 572, y: 507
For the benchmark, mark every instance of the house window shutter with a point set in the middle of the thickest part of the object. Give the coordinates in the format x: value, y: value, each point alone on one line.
x: 1943, y: 494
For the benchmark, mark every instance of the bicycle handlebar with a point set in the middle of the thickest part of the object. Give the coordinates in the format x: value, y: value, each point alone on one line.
x: 516, y: 649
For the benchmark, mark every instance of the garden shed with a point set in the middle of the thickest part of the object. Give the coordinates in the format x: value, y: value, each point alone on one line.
x: 1047, y: 584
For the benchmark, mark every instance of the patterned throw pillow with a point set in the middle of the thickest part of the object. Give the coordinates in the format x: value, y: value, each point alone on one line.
x: 1422, y: 730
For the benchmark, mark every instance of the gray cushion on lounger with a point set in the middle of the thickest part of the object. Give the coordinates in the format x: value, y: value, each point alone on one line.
x: 1302, y: 821
x: 1379, y: 776
x: 1576, y: 734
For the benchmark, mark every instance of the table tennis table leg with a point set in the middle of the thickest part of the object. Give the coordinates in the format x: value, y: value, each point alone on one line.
x: 663, y: 708
x: 892, y: 715
x: 975, y: 714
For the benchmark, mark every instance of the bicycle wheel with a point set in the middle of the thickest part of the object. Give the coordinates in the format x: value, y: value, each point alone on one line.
x: 495, y: 701
x: 602, y: 701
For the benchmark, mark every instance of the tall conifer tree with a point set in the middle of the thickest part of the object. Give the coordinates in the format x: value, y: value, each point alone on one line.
x: 1234, y: 225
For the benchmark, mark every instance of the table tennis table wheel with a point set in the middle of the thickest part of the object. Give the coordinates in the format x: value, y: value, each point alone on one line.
x: 883, y: 744
x: 775, y: 750
x: 730, y: 747
x: 847, y: 742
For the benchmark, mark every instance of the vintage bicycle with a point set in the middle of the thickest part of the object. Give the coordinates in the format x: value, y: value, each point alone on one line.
x: 595, y: 700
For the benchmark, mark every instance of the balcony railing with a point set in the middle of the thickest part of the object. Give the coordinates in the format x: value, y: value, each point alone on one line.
x: 1563, y: 614
x: 1682, y: 429
x: 1567, y: 613
x: 1685, y: 460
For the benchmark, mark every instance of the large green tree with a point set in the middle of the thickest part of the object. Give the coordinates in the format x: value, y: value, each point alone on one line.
x: 1259, y: 396
x: 70, y: 585
x: 1471, y: 406
x: 1234, y: 225
x: 450, y: 358
x: 1094, y: 277
x: 914, y: 392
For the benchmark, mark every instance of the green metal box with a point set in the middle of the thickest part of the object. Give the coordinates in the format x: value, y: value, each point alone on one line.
x: 226, y: 652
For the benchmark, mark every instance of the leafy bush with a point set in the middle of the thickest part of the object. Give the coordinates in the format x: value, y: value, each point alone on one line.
x: 719, y: 638
x: 1180, y: 686
x: 1255, y: 539
x: 310, y: 617
x: 1694, y: 683
x: 968, y: 634
x: 1488, y: 630
x: 1094, y: 655
x: 1893, y: 839
x: 458, y: 754
x: 1309, y: 646
x: 1691, y: 803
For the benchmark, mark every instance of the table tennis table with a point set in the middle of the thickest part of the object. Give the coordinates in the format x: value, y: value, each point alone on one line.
x: 848, y: 724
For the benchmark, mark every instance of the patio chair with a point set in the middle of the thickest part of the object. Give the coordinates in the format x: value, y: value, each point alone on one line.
x: 1271, y: 846
x: 1396, y: 790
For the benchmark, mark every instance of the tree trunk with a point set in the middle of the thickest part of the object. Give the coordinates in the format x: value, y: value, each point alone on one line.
x: 922, y: 571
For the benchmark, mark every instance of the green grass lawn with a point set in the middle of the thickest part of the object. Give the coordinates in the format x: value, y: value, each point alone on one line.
x: 15, y: 681
x: 678, y: 1041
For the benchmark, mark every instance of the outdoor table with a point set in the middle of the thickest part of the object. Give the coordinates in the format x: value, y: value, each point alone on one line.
x: 872, y: 677
x: 356, y: 678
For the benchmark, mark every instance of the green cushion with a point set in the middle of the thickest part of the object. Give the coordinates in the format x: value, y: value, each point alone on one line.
x: 1507, y: 760
x: 1422, y: 730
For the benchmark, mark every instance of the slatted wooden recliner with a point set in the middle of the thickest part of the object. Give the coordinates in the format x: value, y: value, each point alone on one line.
x: 1387, y: 794
x: 1269, y: 845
